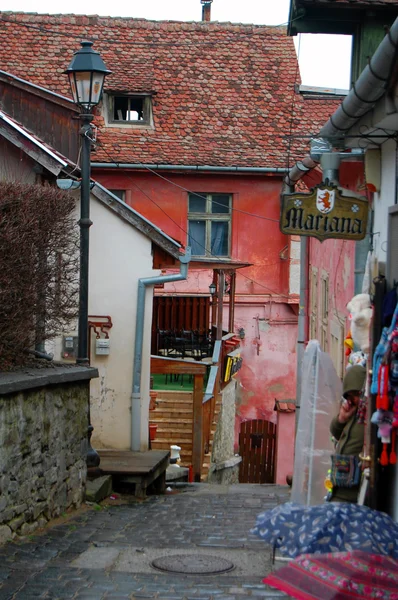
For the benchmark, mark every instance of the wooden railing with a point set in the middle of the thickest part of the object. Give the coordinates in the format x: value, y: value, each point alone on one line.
x: 209, y: 399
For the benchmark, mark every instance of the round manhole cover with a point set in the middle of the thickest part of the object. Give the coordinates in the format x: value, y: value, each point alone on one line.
x: 193, y: 564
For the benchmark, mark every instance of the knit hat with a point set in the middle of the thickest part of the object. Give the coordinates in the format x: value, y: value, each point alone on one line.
x: 354, y: 379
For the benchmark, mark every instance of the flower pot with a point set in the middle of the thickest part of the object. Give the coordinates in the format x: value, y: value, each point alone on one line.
x: 152, y: 399
x: 152, y: 431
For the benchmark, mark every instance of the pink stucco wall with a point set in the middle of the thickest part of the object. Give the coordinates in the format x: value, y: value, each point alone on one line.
x: 285, y: 438
x: 269, y: 360
x: 264, y: 307
x: 336, y: 258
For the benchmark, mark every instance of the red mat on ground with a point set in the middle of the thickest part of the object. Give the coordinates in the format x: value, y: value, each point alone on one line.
x: 338, y: 576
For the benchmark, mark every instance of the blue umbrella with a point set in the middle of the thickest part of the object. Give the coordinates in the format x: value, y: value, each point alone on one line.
x: 332, y: 527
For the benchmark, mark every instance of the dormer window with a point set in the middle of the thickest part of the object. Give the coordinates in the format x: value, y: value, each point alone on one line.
x: 129, y: 109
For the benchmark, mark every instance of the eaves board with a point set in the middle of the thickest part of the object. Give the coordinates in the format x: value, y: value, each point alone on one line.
x: 20, y: 141
x: 330, y: 17
x: 137, y: 221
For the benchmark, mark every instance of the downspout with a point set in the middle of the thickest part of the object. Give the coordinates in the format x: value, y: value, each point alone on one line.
x: 139, y: 338
x: 302, y: 333
x: 302, y: 329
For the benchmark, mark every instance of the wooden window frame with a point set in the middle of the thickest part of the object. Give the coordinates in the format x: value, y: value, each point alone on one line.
x: 147, y: 120
x: 314, y: 304
x: 337, y: 335
x: 210, y: 217
x: 324, y: 300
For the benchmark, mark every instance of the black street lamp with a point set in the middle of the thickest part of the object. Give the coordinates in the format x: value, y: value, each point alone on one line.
x: 86, y: 73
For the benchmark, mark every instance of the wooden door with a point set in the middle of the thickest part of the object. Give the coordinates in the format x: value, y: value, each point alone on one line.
x: 257, y: 443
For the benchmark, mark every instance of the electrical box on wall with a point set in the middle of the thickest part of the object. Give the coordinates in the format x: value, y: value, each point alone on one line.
x: 69, y: 347
x: 102, y: 346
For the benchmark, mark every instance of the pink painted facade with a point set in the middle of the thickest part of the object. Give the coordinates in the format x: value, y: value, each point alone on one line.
x: 331, y: 281
x: 285, y: 439
x: 265, y: 309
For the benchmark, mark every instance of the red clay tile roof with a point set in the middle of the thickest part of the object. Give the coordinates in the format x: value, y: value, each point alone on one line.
x: 223, y: 93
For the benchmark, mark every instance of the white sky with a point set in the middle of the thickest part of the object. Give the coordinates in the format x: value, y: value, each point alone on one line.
x: 324, y: 60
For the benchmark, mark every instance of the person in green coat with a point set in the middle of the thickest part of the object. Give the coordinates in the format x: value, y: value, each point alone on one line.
x: 347, y: 428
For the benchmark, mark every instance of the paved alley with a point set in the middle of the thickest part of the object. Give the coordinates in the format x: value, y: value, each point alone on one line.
x: 106, y: 554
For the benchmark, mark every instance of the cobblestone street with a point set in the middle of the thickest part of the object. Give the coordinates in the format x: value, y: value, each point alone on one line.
x: 106, y: 554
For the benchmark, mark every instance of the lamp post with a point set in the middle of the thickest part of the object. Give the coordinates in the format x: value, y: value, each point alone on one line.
x: 86, y: 74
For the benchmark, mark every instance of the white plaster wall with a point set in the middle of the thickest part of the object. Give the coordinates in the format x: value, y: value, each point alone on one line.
x: 119, y: 256
x: 384, y: 199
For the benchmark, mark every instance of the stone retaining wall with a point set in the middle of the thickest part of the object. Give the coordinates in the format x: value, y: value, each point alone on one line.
x: 43, y: 445
x: 224, y: 466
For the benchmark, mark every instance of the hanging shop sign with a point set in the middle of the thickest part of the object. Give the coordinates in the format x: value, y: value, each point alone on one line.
x: 324, y: 213
x: 233, y: 362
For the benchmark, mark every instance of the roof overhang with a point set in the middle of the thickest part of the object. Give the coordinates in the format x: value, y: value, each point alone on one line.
x: 37, y: 90
x: 323, y: 16
x: 33, y: 147
x: 57, y: 164
x: 219, y: 263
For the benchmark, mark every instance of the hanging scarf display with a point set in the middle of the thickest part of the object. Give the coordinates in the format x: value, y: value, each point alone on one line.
x: 385, y: 386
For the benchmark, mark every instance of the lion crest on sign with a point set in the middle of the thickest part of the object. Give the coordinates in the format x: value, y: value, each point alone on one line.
x: 325, y: 200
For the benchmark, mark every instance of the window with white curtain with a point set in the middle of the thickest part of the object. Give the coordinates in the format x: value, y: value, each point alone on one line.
x: 209, y: 224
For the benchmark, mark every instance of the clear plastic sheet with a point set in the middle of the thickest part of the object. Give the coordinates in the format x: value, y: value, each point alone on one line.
x: 320, y: 396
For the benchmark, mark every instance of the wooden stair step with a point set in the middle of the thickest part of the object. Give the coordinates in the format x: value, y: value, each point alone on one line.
x: 173, y: 432
x: 162, y: 421
x: 168, y: 414
x: 170, y: 401
x: 178, y: 439
x: 165, y: 444
x: 174, y: 396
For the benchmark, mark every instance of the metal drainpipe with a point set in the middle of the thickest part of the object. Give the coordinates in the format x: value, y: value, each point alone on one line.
x: 302, y: 326
x: 139, y: 338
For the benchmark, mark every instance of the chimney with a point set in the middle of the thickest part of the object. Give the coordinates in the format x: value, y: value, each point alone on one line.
x: 206, y: 9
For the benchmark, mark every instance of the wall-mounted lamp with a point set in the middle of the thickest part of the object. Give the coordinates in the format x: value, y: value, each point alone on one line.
x: 241, y: 333
x: 72, y: 184
x: 212, y: 288
x: 68, y: 184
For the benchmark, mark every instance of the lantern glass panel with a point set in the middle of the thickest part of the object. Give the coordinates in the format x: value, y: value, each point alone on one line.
x: 86, y: 87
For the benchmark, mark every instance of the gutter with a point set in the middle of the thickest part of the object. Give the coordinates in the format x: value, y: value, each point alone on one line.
x: 367, y: 90
x: 159, y: 167
x: 136, y: 400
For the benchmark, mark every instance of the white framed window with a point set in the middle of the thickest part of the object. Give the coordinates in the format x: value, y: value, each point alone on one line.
x: 314, y: 304
x: 209, y: 224
x: 337, y: 346
x: 324, y: 299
